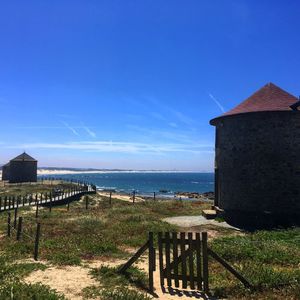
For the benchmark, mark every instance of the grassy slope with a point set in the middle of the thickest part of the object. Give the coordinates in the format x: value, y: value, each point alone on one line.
x: 270, y: 260
x: 39, y: 187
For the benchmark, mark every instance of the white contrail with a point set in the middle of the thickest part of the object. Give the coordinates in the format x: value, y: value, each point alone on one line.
x: 71, y: 128
x: 217, y: 102
x: 90, y: 132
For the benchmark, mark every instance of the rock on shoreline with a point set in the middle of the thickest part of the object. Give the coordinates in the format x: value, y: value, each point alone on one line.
x: 210, y: 195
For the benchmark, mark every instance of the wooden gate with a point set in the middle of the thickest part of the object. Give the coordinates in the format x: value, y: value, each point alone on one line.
x: 183, y: 260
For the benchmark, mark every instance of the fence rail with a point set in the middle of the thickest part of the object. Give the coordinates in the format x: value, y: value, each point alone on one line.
x: 66, y: 195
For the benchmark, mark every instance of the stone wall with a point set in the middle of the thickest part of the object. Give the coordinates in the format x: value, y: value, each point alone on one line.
x: 258, y: 162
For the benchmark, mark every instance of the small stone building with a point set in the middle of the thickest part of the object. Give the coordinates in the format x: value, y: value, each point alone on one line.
x: 22, y: 168
x: 257, y: 157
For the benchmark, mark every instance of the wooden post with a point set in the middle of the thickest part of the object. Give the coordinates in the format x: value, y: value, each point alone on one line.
x: 154, y: 196
x: 175, y: 258
x: 68, y: 206
x: 23, y: 200
x: 37, y: 239
x: 191, y: 260
x: 205, y: 262
x: 19, y: 230
x: 50, y: 206
x: 5, y: 202
x: 198, y: 261
x: 183, y: 257
x: 151, y: 261
x: 168, y: 259
x: 86, y: 202
x: 8, y: 224
x: 161, y: 259
x: 110, y: 198
x: 133, y: 197
x: 15, y: 217
x: 37, y: 209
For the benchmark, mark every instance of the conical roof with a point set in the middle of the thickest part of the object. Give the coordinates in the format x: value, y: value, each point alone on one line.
x: 269, y: 98
x: 23, y: 157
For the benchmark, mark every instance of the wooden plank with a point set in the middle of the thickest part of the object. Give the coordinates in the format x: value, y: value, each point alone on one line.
x: 183, y: 257
x: 180, y: 277
x: 175, y: 257
x: 134, y: 258
x: 151, y: 262
x: 168, y: 258
x: 198, y: 261
x: 161, y: 259
x: 191, y: 260
x: 229, y: 268
x: 205, y: 262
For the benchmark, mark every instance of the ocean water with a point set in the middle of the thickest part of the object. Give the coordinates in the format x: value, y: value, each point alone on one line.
x: 146, y: 183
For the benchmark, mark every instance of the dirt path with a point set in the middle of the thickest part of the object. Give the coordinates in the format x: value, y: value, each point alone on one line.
x: 71, y: 280
x: 68, y: 280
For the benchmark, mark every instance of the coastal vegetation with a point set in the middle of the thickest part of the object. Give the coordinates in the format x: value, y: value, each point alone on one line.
x: 106, y: 232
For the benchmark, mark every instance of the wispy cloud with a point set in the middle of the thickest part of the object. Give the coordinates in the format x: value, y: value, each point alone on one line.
x: 72, y: 129
x: 121, y: 147
x: 89, y: 131
x: 217, y: 102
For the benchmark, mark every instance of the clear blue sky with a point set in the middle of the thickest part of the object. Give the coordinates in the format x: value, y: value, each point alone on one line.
x: 133, y: 84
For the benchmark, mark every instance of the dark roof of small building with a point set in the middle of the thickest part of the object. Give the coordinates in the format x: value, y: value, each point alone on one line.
x: 268, y: 98
x: 23, y: 157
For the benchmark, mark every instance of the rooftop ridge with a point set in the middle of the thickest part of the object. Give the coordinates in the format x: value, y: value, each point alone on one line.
x: 23, y: 157
x: 270, y: 97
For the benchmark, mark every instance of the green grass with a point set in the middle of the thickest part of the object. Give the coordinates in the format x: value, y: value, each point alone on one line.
x: 12, y: 287
x: 270, y: 260
x: 38, y: 187
x: 68, y: 237
x: 113, y: 285
x: 109, y: 277
x: 120, y: 293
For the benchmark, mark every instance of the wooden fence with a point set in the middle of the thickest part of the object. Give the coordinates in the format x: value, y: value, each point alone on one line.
x: 48, y: 198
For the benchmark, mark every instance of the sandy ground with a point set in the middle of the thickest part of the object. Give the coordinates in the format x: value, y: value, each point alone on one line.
x: 70, y: 280
x: 123, y: 197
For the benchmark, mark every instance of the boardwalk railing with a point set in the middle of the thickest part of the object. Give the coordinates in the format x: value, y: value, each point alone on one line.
x: 76, y: 190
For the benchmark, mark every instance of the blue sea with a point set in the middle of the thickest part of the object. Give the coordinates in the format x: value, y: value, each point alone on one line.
x: 145, y: 183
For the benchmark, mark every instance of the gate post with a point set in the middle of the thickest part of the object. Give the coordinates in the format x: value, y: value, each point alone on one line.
x: 205, y: 262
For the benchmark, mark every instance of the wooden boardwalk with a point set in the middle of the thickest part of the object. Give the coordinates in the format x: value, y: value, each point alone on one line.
x: 12, y: 202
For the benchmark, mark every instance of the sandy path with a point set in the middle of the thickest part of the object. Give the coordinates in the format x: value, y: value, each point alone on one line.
x: 68, y: 280
x: 122, y: 197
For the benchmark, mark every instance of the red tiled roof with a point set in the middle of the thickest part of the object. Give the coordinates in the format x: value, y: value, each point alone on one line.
x: 269, y: 98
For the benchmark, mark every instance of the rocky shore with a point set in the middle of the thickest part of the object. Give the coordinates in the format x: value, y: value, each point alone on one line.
x: 209, y: 195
